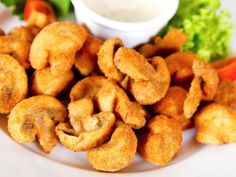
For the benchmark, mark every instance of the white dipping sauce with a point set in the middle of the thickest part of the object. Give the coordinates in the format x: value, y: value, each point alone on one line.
x: 125, y: 10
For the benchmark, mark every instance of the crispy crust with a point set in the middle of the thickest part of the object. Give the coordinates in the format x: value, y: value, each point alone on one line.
x: 13, y: 83
x: 160, y: 141
x: 106, y: 59
x: 193, y: 98
x: 86, y: 58
x: 216, y: 124
x: 153, y: 79
x: 44, y: 83
x: 89, y: 138
x: 209, y: 76
x: 56, y: 45
x: 36, y: 117
x: 17, y: 44
x: 117, y: 153
x: 172, y: 106
x: 225, y: 94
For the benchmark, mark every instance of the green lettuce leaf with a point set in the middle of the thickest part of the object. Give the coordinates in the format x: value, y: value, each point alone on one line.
x: 209, y: 30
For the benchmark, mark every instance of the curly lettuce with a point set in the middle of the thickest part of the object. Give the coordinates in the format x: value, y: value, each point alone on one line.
x: 209, y: 30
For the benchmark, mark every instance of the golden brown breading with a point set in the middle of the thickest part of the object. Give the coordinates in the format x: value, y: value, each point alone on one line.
x: 106, y: 59
x: 112, y: 98
x: 86, y: 58
x: 172, y: 42
x: 160, y: 140
x: 13, y: 83
x: 117, y: 153
x: 44, y: 83
x: 36, y: 117
x: 172, y: 106
x: 93, y: 131
x: 56, y: 45
x: 226, y: 93
x: 193, y: 98
x: 216, y: 124
x: 17, y: 43
x: 152, y: 80
x: 209, y: 77
x: 87, y: 88
x: 108, y: 96
x: 180, y: 66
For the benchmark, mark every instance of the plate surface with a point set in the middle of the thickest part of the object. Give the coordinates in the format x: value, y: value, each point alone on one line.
x: 194, y: 160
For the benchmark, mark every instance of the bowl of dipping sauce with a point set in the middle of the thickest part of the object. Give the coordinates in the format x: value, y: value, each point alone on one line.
x: 134, y: 21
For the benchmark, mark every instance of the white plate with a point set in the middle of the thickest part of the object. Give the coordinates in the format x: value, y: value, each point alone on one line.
x: 194, y: 160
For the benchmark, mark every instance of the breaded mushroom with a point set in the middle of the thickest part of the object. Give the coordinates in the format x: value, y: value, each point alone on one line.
x: 86, y: 58
x: 172, y: 106
x: 13, y: 83
x: 56, y: 46
x: 153, y: 79
x: 17, y: 44
x: 209, y: 77
x: 113, y: 98
x: 106, y: 59
x: 44, y: 83
x: 193, y: 98
x: 92, y: 131
x: 216, y: 125
x: 117, y: 153
x: 160, y: 140
x: 226, y: 93
x: 36, y: 118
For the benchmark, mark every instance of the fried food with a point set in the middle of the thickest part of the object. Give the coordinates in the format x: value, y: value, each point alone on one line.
x: 17, y: 43
x: 92, y: 131
x: 109, y: 97
x: 106, y: 59
x: 86, y: 58
x: 112, y: 98
x: 225, y: 94
x: 117, y: 153
x: 87, y: 88
x: 216, y: 124
x: 172, y: 106
x: 153, y: 79
x: 13, y: 83
x: 44, y: 83
x: 160, y: 141
x: 36, y: 117
x: 209, y: 77
x: 180, y: 66
x: 193, y: 98
x: 56, y: 46
x: 171, y: 43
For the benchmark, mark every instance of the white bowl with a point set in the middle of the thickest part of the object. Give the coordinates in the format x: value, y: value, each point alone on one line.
x: 132, y: 33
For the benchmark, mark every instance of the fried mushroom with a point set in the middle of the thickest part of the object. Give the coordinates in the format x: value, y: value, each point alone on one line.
x: 153, y: 79
x: 209, y: 77
x: 17, y: 43
x: 56, y: 46
x: 106, y: 59
x: 180, y: 66
x: 44, y: 83
x: 216, y: 124
x: 36, y: 117
x: 172, y: 106
x: 225, y: 94
x: 117, y: 153
x: 92, y: 130
x: 13, y: 83
x: 193, y: 98
x: 113, y: 98
x: 86, y: 58
x: 160, y: 140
